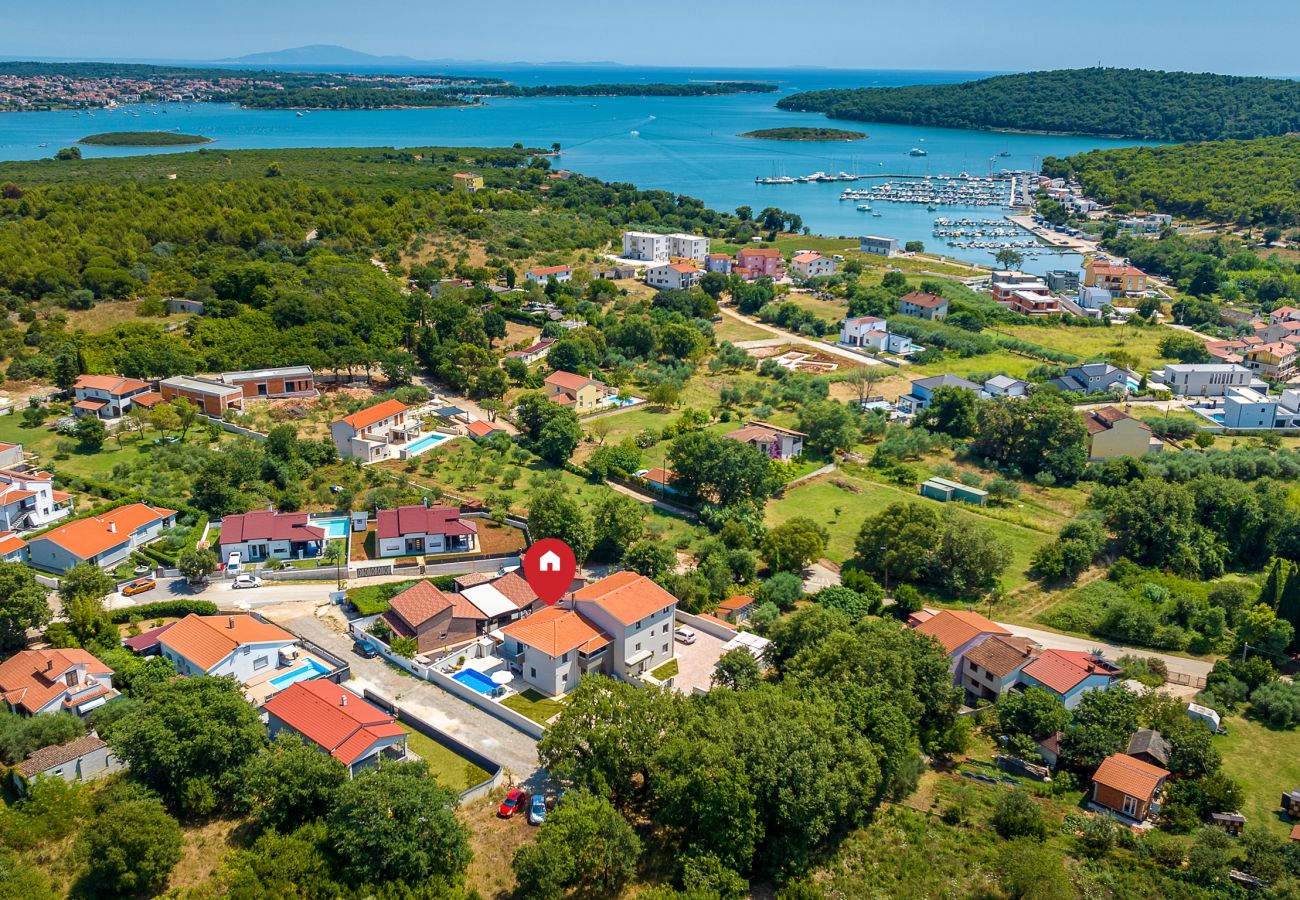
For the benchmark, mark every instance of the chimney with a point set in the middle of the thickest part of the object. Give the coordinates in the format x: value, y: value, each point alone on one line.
x: 343, y: 699
x: 112, y: 528
x: 230, y: 621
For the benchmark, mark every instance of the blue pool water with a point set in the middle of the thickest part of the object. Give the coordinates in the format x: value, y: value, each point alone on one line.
x: 335, y: 527
x: 308, y: 670
x: 630, y: 401
x: 415, y: 448
x: 472, y: 678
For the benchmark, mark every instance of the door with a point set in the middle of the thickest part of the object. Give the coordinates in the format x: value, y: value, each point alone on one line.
x: 1130, y: 807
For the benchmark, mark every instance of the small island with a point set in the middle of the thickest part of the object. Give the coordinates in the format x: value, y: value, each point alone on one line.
x: 805, y: 134
x: 144, y: 139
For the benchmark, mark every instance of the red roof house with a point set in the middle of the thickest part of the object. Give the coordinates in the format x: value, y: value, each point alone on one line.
x: 356, y: 733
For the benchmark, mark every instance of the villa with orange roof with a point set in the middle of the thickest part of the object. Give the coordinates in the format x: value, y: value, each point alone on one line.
x: 44, y: 681
x: 811, y: 264
x: 1069, y: 674
x: 772, y: 441
x: 238, y: 645
x: 673, y: 276
x: 619, y: 626
x: 959, y: 631
x: 103, y: 540
x: 28, y: 500
x: 544, y: 274
x: 353, y: 731
x: 374, y: 433
x: 581, y: 392
x: 107, y: 396
x: 1120, y: 279
x: 434, y: 618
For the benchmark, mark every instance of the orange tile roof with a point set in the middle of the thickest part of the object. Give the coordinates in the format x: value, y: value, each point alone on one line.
x: 761, y: 252
x: 30, y: 679
x: 481, y: 428
x: 1129, y: 776
x: 372, y: 414
x: 683, y: 268
x: 1064, y: 670
x: 9, y: 542
x: 1277, y: 348
x: 555, y: 631
x: 207, y: 640
x: 115, y: 385
x: 735, y: 604
x: 658, y: 475
x: 626, y: 596
x: 927, y: 301
x: 548, y: 270
x: 90, y: 404
x: 419, y: 603
x: 1002, y: 655
x: 807, y: 257
x: 93, y: 535
x: 333, y: 717
x: 570, y: 381
x: 953, y: 628
x: 152, y: 398
x: 515, y: 589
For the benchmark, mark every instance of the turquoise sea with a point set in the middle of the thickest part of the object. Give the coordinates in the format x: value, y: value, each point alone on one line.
x: 685, y: 145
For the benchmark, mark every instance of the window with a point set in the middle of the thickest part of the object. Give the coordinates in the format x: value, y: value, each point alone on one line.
x: 638, y: 646
x: 532, y: 672
x: 259, y: 663
x: 665, y: 648
x: 638, y: 626
x: 565, y: 658
x: 1130, y: 806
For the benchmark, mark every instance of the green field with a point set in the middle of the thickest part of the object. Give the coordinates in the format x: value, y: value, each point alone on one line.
x: 1087, y: 343
x: 533, y: 705
x: 1266, y: 763
x: 451, y: 769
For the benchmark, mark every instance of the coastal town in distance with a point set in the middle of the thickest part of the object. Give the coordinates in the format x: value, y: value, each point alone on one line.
x: 425, y: 474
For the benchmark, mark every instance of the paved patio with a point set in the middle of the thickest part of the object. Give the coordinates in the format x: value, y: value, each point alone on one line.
x: 695, y: 662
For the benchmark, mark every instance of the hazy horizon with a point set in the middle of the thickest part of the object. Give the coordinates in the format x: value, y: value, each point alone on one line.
x: 1187, y: 35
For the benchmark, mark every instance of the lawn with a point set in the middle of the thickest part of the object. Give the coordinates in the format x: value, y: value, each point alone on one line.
x: 730, y: 329
x: 1266, y: 763
x: 533, y: 705
x: 1087, y: 343
x: 451, y: 769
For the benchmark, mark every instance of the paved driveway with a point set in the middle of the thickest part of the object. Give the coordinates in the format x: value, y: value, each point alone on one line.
x: 695, y: 662
x: 516, y: 751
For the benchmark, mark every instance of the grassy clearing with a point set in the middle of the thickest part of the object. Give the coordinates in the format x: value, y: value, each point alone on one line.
x: 533, y: 705
x: 1087, y: 343
x: 451, y: 769
x: 1266, y: 763
x: 730, y: 329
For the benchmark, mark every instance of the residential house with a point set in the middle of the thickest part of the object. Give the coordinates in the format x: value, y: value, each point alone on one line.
x: 992, y: 667
x: 1127, y: 786
x: 533, y: 352
x: 44, y: 681
x: 103, y: 540
x: 869, y: 331
x: 512, y: 586
x: 553, y: 648
x: 1284, y: 314
x: 736, y: 609
x: 375, y: 432
x: 661, y: 480
x: 614, y: 273
x: 241, y: 646
x: 353, y: 731
x: 12, y: 547
x: 1069, y: 674
x: 878, y: 246
x: 435, y: 619
x: 673, y: 276
x: 637, y: 614
x: 923, y: 306
x: 1286, y: 330
x: 719, y: 262
x: 481, y: 428
x: 1005, y: 283
x: 28, y: 500
x: 78, y: 760
x: 772, y: 441
x: 1113, y: 432
x: 545, y: 273
x: 581, y: 392
x: 811, y: 265
x: 1095, y: 298
x: 1120, y: 279
x: 266, y: 534
x: 945, y: 491
x: 1247, y: 408
x: 1005, y: 386
x: 1033, y: 303
x: 1204, y: 379
x: 1275, y: 361
x: 106, y: 396
x: 467, y: 182
x: 958, y: 632
x: 760, y: 262
x: 643, y: 245
x: 922, y: 392
x: 276, y: 383
x: 1093, y: 378
x: 211, y: 396
x: 1063, y: 281
x: 424, y: 531
x: 1149, y: 746
x: 11, y: 455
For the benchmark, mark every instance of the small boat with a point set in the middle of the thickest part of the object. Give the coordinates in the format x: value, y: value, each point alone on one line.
x: 1005, y: 153
x: 932, y: 208
x: 300, y: 115
x: 917, y: 151
x: 635, y: 133
x: 864, y: 207
x: 42, y: 145
x: 875, y: 215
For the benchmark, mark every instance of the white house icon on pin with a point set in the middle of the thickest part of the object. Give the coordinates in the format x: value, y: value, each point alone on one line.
x: 549, y: 562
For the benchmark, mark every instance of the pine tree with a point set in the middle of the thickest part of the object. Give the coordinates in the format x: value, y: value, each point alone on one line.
x: 1288, y: 606
x: 1279, y: 573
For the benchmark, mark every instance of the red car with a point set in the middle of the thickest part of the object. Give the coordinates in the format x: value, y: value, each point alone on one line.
x: 515, y: 801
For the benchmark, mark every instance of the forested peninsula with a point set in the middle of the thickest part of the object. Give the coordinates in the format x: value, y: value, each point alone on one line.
x: 366, y: 97
x: 1130, y: 103
x: 1247, y: 182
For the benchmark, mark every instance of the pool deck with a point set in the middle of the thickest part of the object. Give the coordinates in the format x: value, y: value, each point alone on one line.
x: 260, y: 689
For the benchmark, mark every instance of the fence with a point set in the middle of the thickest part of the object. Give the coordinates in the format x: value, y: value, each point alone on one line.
x: 1183, y: 678
x: 494, y: 769
x: 708, y: 626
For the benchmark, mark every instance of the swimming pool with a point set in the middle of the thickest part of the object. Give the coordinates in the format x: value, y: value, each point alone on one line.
x: 476, y: 681
x: 625, y: 401
x: 336, y: 527
x: 308, y: 670
x: 415, y: 448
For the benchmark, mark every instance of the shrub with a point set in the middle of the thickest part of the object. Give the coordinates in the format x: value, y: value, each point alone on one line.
x: 1016, y: 815
x: 164, y: 609
x: 1278, y: 703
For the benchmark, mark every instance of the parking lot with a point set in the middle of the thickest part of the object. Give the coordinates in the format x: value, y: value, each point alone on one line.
x: 695, y: 662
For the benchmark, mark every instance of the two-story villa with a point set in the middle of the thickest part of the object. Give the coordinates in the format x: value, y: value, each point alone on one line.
x: 581, y: 392
x: 373, y: 433
x: 107, y: 396
x: 28, y: 500
x: 44, y: 681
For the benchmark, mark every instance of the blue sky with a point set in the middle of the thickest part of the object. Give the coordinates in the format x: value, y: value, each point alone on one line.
x: 1252, y: 37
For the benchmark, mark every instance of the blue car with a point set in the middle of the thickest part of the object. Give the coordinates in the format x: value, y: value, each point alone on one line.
x: 537, y: 810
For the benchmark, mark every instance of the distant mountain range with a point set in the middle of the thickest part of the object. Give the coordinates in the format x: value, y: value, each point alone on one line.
x: 317, y: 55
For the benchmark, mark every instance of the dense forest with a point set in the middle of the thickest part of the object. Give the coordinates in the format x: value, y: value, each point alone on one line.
x: 805, y: 134
x: 373, y: 97
x: 1246, y: 182
x: 1133, y: 103
x: 143, y: 139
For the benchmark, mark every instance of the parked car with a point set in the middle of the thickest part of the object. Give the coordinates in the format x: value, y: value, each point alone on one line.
x: 514, y: 802
x: 684, y: 634
x: 139, y: 586
x: 364, y: 649
x: 246, y: 581
x: 537, y: 810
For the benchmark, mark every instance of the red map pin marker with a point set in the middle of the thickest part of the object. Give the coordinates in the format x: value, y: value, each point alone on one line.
x: 549, y: 567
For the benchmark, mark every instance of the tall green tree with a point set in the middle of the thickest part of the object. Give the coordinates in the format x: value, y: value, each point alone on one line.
x: 24, y: 605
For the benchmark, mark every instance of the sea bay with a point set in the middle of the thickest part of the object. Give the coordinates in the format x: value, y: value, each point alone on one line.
x: 687, y: 145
